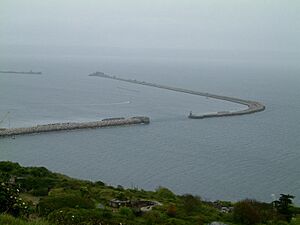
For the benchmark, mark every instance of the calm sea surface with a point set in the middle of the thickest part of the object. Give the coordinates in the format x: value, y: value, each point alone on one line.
x: 232, y: 158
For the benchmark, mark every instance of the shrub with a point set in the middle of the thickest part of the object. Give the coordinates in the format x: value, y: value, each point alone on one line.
x: 10, y: 202
x: 126, y: 212
x: 120, y: 188
x: 100, y: 183
x: 6, y: 166
x: 51, y: 203
x: 152, y: 217
x: 191, y: 203
x: 39, y: 172
x: 4, y: 177
x: 171, y: 210
x: 121, y: 196
x: 40, y: 192
x: 10, y: 220
x: 30, y: 183
x: 165, y: 193
x: 69, y: 216
x: 174, y: 221
x: 245, y: 212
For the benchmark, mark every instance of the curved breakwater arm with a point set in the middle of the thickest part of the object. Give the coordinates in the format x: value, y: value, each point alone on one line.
x: 253, y: 106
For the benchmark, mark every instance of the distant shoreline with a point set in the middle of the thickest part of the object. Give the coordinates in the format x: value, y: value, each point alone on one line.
x: 253, y: 106
x: 21, y: 72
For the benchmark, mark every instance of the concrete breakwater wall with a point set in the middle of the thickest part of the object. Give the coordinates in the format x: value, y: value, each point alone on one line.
x: 253, y: 106
x: 73, y: 126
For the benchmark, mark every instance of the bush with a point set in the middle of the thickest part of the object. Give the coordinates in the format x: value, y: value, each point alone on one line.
x: 174, y: 221
x: 10, y: 202
x: 40, y: 192
x: 245, y: 212
x: 4, y: 177
x: 126, y: 212
x: 165, y: 193
x: 153, y: 217
x: 6, y: 166
x: 9, y: 220
x: 191, y: 203
x: 121, y: 196
x: 51, y: 203
x: 69, y: 216
x: 31, y: 183
x: 100, y: 183
x: 39, y: 172
x: 171, y: 210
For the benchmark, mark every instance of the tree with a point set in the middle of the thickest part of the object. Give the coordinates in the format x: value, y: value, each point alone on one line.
x: 283, y: 206
x: 191, y: 203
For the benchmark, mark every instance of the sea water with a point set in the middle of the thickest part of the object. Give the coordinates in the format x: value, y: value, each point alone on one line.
x: 232, y: 158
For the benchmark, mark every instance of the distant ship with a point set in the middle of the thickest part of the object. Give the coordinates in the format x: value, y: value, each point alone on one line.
x: 20, y: 72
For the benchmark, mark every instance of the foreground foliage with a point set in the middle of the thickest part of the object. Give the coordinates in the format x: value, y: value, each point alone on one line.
x: 6, y: 219
x: 36, y: 196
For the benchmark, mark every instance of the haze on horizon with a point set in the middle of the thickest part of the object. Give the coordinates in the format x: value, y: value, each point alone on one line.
x: 235, y: 25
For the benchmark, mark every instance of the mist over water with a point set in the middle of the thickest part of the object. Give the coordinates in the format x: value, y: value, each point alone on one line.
x: 232, y: 158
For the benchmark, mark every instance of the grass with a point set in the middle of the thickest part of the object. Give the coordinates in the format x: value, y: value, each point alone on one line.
x: 10, y: 220
x: 296, y: 220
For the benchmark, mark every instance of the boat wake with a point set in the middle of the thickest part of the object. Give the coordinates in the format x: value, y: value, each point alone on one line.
x: 118, y: 103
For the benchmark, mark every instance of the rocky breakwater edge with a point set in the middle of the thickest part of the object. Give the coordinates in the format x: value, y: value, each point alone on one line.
x: 74, y: 126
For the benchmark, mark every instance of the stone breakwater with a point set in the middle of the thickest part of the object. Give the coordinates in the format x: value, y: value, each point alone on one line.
x: 253, y: 106
x: 73, y: 126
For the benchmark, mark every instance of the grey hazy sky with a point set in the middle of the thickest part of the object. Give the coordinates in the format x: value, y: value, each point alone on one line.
x: 191, y: 24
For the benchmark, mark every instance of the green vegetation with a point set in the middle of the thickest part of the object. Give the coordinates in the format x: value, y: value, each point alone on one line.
x: 6, y: 219
x: 36, y: 196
